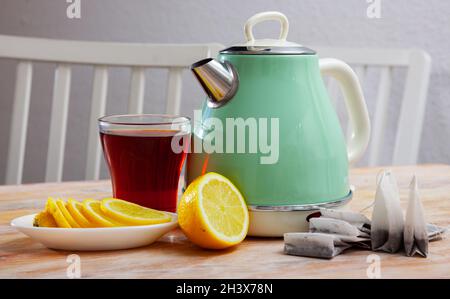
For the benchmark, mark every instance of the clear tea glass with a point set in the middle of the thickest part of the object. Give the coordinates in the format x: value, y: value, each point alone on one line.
x: 145, y: 155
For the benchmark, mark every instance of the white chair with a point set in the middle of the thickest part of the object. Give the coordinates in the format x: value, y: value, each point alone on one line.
x: 410, y: 120
x: 101, y: 55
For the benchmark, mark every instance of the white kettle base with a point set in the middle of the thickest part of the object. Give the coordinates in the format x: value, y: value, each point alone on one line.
x: 275, y: 221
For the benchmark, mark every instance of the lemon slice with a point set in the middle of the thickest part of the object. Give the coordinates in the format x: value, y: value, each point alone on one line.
x: 44, y: 219
x: 93, y: 212
x: 62, y: 207
x: 212, y: 212
x: 132, y: 214
x: 75, y: 209
x: 54, y: 210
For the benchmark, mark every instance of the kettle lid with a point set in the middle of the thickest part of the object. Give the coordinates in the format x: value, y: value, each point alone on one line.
x: 278, y: 46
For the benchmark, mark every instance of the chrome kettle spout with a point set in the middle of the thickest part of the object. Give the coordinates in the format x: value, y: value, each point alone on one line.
x: 219, y: 80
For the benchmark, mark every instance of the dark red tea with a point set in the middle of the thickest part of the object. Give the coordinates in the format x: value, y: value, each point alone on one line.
x: 144, y: 168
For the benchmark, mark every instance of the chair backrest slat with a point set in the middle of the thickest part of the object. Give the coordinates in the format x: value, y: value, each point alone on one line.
x: 366, y: 56
x: 380, y: 118
x: 137, y: 91
x: 58, y: 124
x: 98, y: 106
x: 412, y: 111
x: 18, y: 131
x: 174, y: 91
x: 104, y: 53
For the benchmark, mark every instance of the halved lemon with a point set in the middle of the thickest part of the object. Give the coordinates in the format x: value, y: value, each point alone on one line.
x: 212, y: 212
x: 62, y: 207
x: 132, y: 214
x: 57, y: 214
x: 76, y: 210
x: 92, y: 210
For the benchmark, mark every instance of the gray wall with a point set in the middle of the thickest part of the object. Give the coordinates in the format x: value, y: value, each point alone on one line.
x: 404, y: 23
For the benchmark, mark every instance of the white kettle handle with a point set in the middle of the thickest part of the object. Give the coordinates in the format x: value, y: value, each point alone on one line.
x: 355, y: 103
x: 266, y: 16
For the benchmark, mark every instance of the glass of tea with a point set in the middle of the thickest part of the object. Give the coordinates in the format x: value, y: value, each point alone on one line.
x: 145, y: 155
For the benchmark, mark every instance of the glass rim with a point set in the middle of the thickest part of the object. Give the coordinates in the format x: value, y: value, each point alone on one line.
x: 171, y: 119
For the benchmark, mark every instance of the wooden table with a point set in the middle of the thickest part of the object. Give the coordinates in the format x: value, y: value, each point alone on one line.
x: 175, y: 257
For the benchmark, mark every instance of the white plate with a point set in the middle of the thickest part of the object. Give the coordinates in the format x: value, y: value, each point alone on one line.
x: 105, y: 238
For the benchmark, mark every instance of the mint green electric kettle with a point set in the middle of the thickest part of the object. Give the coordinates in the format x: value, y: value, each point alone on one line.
x: 269, y: 126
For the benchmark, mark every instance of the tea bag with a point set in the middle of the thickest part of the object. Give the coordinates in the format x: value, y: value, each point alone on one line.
x: 435, y: 232
x: 320, y: 245
x: 354, y: 218
x: 415, y: 234
x: 387, y: 217
x: 330, y: 234
x: 335, y: 226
